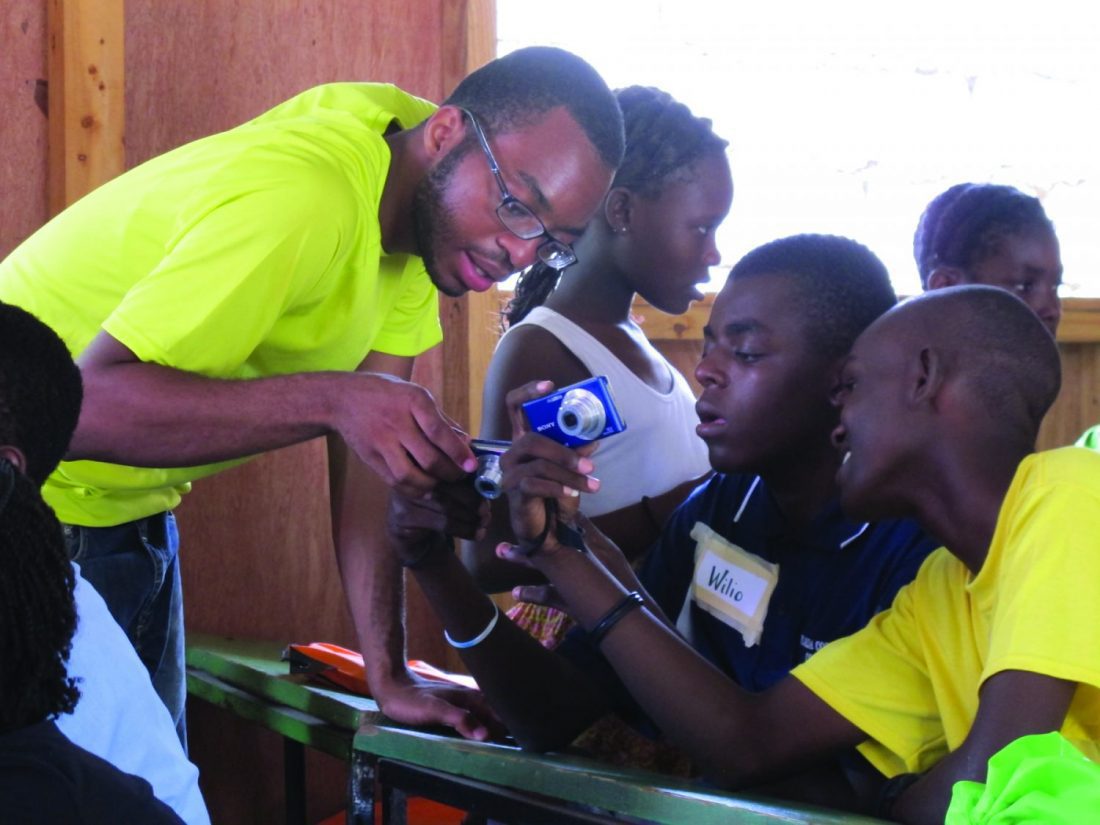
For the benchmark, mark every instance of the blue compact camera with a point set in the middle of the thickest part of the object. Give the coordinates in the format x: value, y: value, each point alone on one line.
x: 576, y: 414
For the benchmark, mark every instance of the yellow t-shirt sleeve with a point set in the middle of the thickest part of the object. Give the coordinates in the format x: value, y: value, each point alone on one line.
x: 226, y: 277
x: 877, y: 680
x: 1047, y: 614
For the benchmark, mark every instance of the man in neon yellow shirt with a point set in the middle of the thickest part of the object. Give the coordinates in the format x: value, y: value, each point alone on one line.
x: 273, y: 283
x: 998, y: 637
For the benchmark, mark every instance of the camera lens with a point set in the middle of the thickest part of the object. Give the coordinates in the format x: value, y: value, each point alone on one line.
x: 487, y: 479
x: 582, y: 415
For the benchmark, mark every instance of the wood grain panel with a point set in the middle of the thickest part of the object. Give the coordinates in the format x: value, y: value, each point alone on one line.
x: 86, y: 85
x: 1078, y: 404
x: 207, y: 65
x: 23, y: 127
x: 1080, y: 321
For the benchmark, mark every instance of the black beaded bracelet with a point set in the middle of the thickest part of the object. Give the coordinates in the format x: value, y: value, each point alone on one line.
x: 630, y: 601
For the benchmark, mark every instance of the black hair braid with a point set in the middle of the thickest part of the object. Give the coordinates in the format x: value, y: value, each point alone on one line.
x: 533, y: 287
x: 663, y: 140
x: 37, y: 612
x: 965, y: 225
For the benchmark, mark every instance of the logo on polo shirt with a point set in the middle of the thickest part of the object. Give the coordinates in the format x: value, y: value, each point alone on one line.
x: 811, y: 646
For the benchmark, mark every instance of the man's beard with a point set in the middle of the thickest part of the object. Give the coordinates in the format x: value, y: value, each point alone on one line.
x: 433, y: 223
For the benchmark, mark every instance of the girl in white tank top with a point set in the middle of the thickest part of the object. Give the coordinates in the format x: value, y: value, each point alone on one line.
x: 653, y: 237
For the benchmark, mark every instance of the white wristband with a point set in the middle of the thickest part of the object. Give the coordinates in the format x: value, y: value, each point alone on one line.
x: 480, y: 637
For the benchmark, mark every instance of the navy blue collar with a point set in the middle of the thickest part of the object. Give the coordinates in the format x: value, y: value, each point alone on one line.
x: 830, y: 525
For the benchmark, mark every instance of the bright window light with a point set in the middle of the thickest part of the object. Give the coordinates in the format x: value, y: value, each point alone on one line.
x: 849, y: 116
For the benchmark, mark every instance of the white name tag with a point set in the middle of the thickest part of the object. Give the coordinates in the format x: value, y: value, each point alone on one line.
x: 731, y: 583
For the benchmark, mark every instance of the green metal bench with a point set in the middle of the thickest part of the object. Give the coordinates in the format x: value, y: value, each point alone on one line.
x: 389, y: 762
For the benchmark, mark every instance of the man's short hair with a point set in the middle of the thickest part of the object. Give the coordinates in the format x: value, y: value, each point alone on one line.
x: 1004, y: 352
x: 841, y: 285
x: 517, y: 89
x: 40, y: 391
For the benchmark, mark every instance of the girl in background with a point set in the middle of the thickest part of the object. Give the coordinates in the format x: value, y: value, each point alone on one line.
x: 653, y: 237
x: 985, y: 233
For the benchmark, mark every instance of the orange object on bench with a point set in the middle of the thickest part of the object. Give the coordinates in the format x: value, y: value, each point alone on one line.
x: 344, y: 668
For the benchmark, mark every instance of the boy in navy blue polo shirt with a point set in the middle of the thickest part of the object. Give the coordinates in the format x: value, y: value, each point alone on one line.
x: 778, y: 332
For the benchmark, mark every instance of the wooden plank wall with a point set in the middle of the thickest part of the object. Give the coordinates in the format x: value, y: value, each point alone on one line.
x: 23, y: 127
x: 86, y: 48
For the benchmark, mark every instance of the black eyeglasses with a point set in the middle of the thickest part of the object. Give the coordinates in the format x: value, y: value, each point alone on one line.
x: 518, y: 218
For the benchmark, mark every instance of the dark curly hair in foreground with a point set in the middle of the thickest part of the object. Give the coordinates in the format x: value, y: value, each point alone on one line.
x: 37, y: 613
x: 40, y: 395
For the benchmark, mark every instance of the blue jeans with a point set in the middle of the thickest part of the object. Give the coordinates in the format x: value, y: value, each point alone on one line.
x: 135, y: 568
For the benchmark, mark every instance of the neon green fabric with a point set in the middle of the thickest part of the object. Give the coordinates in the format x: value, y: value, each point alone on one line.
x: 253, y: 252
x: 1040, y: 778
x: 1090, y: 438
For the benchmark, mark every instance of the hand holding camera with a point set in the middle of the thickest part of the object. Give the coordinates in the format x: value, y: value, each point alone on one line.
x: 541, y: 474
x: 573, y: 416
